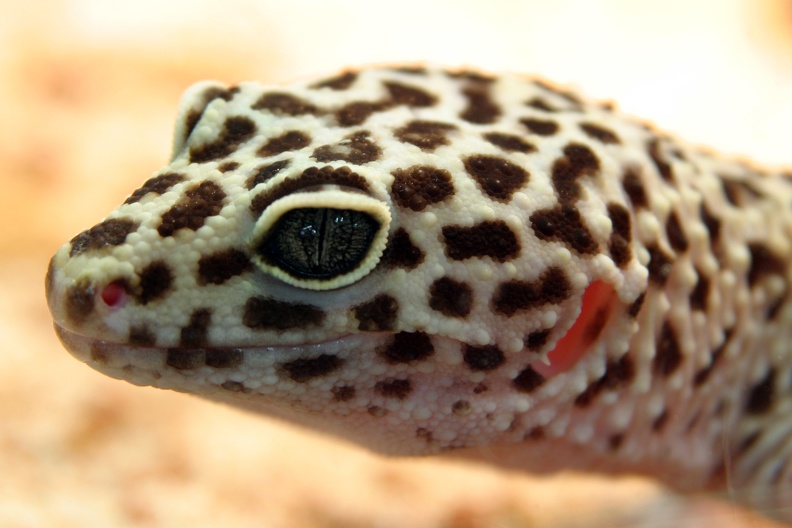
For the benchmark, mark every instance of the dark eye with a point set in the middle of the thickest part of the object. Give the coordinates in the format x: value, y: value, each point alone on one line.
x: 319, y: 243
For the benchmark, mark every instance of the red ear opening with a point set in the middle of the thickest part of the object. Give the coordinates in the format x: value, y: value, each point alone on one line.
x: 597, y: 302
x: 114, y: 295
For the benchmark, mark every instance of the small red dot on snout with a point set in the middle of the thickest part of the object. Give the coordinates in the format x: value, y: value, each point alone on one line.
x: 114, y: 295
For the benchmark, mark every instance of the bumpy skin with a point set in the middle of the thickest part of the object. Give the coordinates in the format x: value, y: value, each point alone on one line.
x: 496, y: 203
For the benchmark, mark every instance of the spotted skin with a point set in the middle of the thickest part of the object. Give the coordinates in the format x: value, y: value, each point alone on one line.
x: 427, y: 261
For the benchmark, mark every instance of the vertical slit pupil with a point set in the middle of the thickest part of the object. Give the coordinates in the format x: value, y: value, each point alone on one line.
x: 319, y: 243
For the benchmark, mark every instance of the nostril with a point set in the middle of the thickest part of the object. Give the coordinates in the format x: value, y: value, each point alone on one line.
x: 114, y: 295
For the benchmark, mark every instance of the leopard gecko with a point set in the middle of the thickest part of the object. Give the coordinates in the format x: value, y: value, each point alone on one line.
x: 429, y: 261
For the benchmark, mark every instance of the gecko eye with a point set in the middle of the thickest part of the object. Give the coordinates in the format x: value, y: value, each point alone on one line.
x: 321, y: 240
x: 114, y: 295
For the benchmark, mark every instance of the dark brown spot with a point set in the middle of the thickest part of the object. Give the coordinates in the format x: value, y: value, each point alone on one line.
x: 703, y: 375
x: 357, y: 149
x: 424, y: 434
x: 480, y: 388
x: 483, y: 358
x: 401, y: 252
x: 712, y: 223
x: 461, y: 407
x: 541, y: 127
x: 155, y: 280
x: 536, y: 433
x: 356, y: 113
x: 492, y: 239
x: 747, y: 442
x: 578, y: 161
x: 528, y: 380
x: 286, y: 142
x: 450, y: 297
x: 340, y: 82
x: 663, y: 167
x: 408, y: 346
x: 536, y: 340
x: 511, y: 297
x: 185, y: 359
x: 394, y: 388
x: 615, y: 442
x: 418, y: 186
x: 208, y: 96
x: 79, y: 302
x: 498, y: 178
x: 668, y: 357
x: 565, y: 94
x: 676, y: 235
x: 660, y: 421
x: 763, y: 263
x: 312, y: 176
x: 698, y: 297
x: 740, y: 193
x: 377, y: 314
x: 344, y: 393
x: 111, y: 232
x: 157, y: 185
x: 510, y: 142
x: 197, y: 204
x: 636, y: 305
x: 141, y: 335
x: 760, y: 396
x: 234, y: 386
x: 223, y: 358
x: 619, y: 243
x: 481, y: 109
x: 228, y: 166
x: 266, y: 172
x: 617, y: 374
x: 194, y: 335
x: 660, y: 264
x: 303, y: 370
x: 284, y: 104
x: 634, y: 188
x: 401, y: 94
x: 221, y: 266
x: 600, y: 133
x: 540, y: 104
x: 264, y: 314
x: 426, y: 135
x: 236, y: 130
x: 564, y: 224
x: 376, y: 411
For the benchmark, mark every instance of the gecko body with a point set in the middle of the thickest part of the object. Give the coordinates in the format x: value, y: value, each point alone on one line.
x: 428, y: 261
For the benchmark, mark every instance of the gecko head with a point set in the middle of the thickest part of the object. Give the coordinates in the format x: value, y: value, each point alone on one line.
x: 314, y: 254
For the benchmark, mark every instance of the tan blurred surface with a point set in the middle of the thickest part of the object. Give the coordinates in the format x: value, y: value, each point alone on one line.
x: 88, y: 91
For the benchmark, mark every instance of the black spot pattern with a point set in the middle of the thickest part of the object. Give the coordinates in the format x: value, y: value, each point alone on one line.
x: 634, y: 189
x: 418, y: 186
x: 198, y: 204
x: 221, y: 266
x: 79, y: 302
x: 157, y: 185
x: 617, y: 374
x: 286, y: 142
x: 536, y: 340
x: 266, y: 172
x: 510, y: 142
x: 401, y: 252
x: 487, y: 239
x: 540, y: 127
x: 284, y: 104
x: 184, y: 359
x: 712, y: 223
x: 578, y: 161
x: 195, y: 333
x: 760, y: 396
x: 402, y: 94
x: 481, y: 109
x: 398, y: 389
x: 406, y: 347
x: 109, y: 233
x: 450, y: 297
x: 357, y: 149
x: 668, y: 357
x: 344, y: 393
x: 426, y: 135
x: 703, y: 375
x: 511, y: 297
x: 236, y: 130
x: 763, y: 263
x: 312, y: 176
x: 265, y: 314
x: 223, y: 358
x: 663, y: 167
x: 660, y: 264
x: 483, y: 358
x: 378, y: 314
x: 619, y: 244
x: 338, y: 83
x: 564, y: 224
x: 304, y: 370
x: 600, y: 133
x: 698, y: 297
x: 498, y: 178
x: 155, y: 281
x: 676, y: 235
x: 528, y: 380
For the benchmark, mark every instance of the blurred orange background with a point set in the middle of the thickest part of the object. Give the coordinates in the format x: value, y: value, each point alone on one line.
x: 88, y: 91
